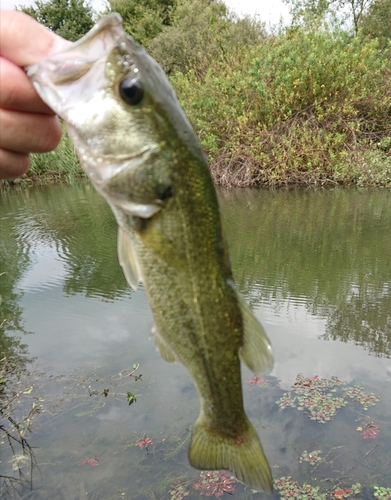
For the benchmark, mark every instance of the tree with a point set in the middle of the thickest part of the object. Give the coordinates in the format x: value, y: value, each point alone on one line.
x: 376, y: 22
x: 70, y: 19
x: 202, y: 31
x: 143, y: 19
x: 308, y: 12
x: 357, y: 9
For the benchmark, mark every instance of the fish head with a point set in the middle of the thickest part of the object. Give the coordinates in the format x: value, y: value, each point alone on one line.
x: 120, y: 110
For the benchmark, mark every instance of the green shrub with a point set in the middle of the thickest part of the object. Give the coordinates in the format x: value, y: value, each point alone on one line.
x: 200, y: 32
x: 295, y: 108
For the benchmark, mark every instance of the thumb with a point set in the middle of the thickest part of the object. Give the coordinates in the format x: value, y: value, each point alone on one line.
x: 24, y: 41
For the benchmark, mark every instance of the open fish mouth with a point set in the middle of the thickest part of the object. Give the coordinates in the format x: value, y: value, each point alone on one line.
x: 56, y: 77
x: 99, y: 40
x: 101, y: 168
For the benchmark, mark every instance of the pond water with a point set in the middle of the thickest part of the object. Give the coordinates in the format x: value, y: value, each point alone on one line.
x: 81, y: 378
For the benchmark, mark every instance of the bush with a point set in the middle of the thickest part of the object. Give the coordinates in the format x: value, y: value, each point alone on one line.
x: 200, y: 32
x: 70, y: 19
x: 295, y: 108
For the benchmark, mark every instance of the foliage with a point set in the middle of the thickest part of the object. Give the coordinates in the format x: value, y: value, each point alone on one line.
x: 310, y: 104
x: 215, y: 483
x: 209, y: 483
x: 369, y: 431
x: 340, y: 493
x: 312, y: 13
x: 376, y: 22
x: 357, y: 394
x: 381, y: 493
x: 144, y: 19
x: 202, y: 31
x: 70, y: 19
x: 316, y: 397
x: 291, y: 490
x: 312, y: 457
x: 294, y: 109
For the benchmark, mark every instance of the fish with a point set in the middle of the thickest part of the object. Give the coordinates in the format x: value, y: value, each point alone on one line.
x: 140, y: 152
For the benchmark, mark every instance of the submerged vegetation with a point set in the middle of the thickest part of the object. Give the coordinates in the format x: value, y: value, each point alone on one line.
x: 306, y: 104
x: 30, y: 400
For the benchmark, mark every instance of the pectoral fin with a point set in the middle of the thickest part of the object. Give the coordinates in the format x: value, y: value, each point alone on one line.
x: 256, y: 351
x: 165, y: 352
x: 128, y: 259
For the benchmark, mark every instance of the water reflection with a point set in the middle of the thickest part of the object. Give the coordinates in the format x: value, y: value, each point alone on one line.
x: 328, y: 252
x: 67, y: 233
x: 315, y: 267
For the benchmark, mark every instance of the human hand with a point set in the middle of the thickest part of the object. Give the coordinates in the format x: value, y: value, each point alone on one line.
x: 27, y: 124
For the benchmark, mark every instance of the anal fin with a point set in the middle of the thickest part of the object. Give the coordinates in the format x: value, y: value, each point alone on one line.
x: 161, y: 345
x: 256, y: 351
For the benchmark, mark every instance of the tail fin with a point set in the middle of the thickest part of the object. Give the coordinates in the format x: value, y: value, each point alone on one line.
x: 243, y: 455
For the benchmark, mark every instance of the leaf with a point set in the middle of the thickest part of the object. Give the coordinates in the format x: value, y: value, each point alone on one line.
x: 131, y: 398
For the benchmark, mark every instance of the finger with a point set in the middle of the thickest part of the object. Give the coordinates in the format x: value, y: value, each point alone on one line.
x: 28, y: 132
x: 13, y: 164
x: 24, y: 41
x: 17, y: 93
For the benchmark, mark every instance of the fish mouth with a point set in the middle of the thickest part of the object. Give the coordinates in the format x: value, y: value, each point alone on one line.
x: 102, y: 168
x: 84, y: 52
x: 53, y: 75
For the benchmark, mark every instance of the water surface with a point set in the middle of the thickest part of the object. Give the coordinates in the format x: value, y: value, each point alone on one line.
x: 315, y: 267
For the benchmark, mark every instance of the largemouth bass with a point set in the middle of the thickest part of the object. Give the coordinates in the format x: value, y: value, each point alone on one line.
x: 140, y: 152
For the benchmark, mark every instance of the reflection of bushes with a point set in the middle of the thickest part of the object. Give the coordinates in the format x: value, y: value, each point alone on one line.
x: 364, y: 320
x: 325, y: 246
x: 79, y: 224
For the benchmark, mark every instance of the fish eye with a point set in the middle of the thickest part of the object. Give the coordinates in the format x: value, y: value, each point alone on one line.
x: 131, y: 91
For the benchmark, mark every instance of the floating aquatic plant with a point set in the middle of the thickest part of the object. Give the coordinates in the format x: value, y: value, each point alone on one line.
x: 215, y: 483
x: 381, y: 493
x: 255, y: 380
x: 144, y: 442
x: 178, y: 491
x: 357, y: 393
x: 316, y: 396
x: 320, y: 406
x: 312, y: 457
x: 341, y: 493
x: 92, y: 462
x: 291, y: 490
x: 286, y: 401
x: 369, y: 431
x: 303, y: 384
